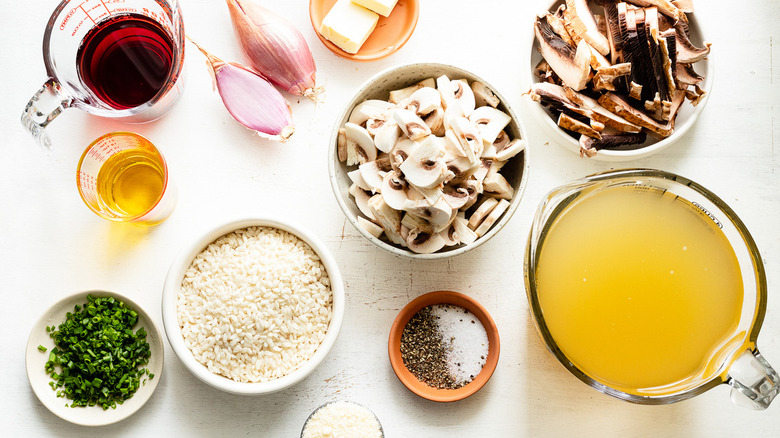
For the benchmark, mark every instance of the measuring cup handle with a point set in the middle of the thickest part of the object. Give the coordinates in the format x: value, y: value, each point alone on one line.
x: 45, y: 105
x: 754, y: 383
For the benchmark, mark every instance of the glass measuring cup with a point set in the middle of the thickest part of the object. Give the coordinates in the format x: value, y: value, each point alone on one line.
x: 123, y: 177
x: 118, y: 59
x: 733, y: 358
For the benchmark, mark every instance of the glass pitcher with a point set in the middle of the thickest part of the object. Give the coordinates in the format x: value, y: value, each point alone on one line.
x: 120, y: 59
x: 591, y: 347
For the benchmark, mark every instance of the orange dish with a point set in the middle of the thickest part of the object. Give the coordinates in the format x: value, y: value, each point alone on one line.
x: 409, y: 379
x: 391, y: 32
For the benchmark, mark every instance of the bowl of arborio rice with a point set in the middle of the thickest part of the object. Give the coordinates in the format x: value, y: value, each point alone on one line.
x: 253, y: 306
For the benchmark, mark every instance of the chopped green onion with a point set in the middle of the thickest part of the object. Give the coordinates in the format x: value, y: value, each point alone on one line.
x: 99, y: 358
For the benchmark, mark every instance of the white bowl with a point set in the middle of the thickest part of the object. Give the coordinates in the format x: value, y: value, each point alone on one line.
x: 379, y: 87
x: 173, y: 330
x: 686, y: 116
x: 35, y: 361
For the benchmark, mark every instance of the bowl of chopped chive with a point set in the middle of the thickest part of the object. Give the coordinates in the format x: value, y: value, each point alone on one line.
x: 443, y: 346
x: 94, y: 358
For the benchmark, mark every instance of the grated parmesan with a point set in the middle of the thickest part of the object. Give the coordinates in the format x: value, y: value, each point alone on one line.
x: 342, y: 419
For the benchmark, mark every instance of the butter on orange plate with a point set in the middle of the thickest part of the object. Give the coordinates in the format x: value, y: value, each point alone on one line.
x: 381, y: 7
x: 348, y: 25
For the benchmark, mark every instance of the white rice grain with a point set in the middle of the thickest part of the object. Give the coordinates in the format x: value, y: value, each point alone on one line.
x: 255, y: 304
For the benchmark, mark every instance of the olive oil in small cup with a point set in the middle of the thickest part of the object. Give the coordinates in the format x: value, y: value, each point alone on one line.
x: 123, y: 177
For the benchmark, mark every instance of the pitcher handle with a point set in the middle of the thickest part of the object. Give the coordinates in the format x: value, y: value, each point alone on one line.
x: 754, y: 383
x: 45, y: 105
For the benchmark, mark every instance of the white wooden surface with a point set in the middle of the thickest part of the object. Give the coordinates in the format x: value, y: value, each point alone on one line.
x: 52, y: 245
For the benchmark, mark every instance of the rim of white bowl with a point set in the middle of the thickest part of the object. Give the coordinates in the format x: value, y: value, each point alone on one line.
x: 570, y: 143
x: 91, y: 415
x: 333, y: 162
x: 173, y: 283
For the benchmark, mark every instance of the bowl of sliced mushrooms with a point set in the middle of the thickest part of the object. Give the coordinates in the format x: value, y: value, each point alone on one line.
x: 619, y: 80
x: 428, y: 161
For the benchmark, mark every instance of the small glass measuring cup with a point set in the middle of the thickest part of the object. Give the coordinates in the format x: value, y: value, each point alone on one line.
x: 735, y: 361
x: 117, y: 59
x: 123, y: 177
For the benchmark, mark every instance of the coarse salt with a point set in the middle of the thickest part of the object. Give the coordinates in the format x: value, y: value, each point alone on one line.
x: 465, y: 341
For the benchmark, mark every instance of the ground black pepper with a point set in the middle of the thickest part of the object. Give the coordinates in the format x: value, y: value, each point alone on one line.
x: 423, y: 352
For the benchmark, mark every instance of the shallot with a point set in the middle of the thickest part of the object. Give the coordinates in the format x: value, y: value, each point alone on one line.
x: 275, y: 48
x: 251, y: 99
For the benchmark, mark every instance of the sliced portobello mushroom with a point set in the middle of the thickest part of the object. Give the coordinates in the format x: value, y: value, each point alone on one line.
x: 571, y: 63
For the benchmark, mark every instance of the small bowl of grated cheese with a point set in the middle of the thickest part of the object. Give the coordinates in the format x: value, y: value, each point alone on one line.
x: 342, y: 419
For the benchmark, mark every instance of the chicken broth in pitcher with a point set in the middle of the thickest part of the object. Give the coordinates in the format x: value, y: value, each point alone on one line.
x: 640, y: 289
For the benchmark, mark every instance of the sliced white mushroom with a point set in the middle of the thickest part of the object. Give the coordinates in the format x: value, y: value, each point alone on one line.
x: 360, y: 145
x: 341, y: 145
x: 490, y: 150
x: 424, y: 243
x: 490, y: 121
x: 411, y: 124
x: 475, y: 189
x: 500, y: 142
x: 455, y: 148
x: 492, y: 218
x: 496, y: 185
x: 404, y: 233
x: 423, y: 101
x: 513, y: 148
x: 456, y: 195
x: 435, y: 121
x: 387, y: 136
x: 372, y: 228
x: 482, y: 212
x: 425, y: 167
x: 485, y: 167
x: 369, y: 109
x: 447, y: 92
x: 401, y: 151
x: 461, y: 167
x: 456, y: 94
x: 357, y: 178
x: 483, y: 95
x: 431, y: 195
x: 373, y: 126
x: 395, y: 191
x: 414, y: 222
x: 372, y: 174
x: 399, y: 95
x: 388, y: 218
x: 438, y: 214
x: 467, y: 134
x: 458, y: 232
x: 361, y: 200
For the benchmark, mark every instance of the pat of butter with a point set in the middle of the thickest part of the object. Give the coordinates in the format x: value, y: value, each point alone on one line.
x: 381, y: 7
x: 348, y: 25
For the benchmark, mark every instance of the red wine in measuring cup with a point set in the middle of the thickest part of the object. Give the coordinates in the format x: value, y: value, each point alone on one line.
x: 126, y: 60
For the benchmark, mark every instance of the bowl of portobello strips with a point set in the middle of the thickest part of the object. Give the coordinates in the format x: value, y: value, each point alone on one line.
x: 619, y: 80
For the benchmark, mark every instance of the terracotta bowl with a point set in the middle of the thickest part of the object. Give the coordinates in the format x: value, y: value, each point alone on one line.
x: 391, y: 32
x: 422, y: 389
x: 686, y: 117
